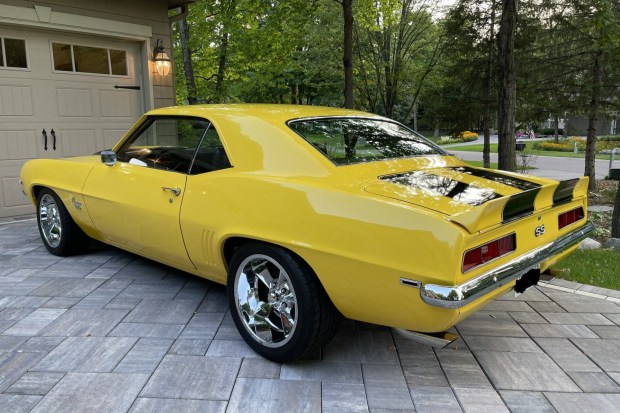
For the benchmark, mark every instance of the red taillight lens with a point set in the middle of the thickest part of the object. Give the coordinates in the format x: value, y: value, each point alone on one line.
x: 569, y: 217
x: 489, y: 251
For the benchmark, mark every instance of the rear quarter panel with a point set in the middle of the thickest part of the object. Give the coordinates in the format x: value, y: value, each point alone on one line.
x: 359, y: 245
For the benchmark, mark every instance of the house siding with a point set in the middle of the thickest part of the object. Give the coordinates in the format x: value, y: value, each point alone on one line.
x: 153, y: 13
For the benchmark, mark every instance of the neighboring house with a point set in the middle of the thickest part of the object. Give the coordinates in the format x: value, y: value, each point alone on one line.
x: 575, y: 125
x: 84, y: 69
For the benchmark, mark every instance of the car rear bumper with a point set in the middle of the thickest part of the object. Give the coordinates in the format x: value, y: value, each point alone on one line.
x: 460, y: 295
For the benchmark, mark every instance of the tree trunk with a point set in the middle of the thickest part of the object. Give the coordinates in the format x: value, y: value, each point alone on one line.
x: 590, y: 169
x: 415, y: 116
x: 486, y: 124
x: 436, y: 133
x: 615, y: 218
x: 221, y: 68
x: 556, y: 129
x: 190, y: 81
x: 507, y: 87
x: 388, y: 93
x: 347, y: 59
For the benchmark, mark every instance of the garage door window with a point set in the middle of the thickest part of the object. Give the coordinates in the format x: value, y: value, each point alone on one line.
x: 88, y: 59
x: 13, y: 53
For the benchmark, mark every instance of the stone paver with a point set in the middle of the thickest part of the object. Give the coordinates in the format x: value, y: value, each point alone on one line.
x: 110, y: 331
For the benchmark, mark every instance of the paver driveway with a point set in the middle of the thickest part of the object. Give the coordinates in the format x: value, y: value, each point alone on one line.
x: 109, y: 331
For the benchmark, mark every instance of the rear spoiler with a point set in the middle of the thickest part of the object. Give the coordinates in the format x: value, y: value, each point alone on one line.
x: 509, y: 208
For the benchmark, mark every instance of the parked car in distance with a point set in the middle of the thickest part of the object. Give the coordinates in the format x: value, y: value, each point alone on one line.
x: 309, y: 213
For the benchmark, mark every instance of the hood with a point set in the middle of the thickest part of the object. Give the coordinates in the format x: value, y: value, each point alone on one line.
x: 476, y: 198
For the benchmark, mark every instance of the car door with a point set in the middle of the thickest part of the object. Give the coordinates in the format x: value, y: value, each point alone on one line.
x: 136, y: 202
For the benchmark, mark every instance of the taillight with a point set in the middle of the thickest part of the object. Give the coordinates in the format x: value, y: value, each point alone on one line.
x: 488, y: 252
x: 570, y: 217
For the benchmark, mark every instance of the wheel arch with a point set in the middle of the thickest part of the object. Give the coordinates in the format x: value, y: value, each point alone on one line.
x: 233, y: 243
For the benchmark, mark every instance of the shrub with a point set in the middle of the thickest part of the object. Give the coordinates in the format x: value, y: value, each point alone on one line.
x: 468, y: 136
x: 551, y: 131
x: 564, y: 145
x: 551, y: 146
x: 458, y: 138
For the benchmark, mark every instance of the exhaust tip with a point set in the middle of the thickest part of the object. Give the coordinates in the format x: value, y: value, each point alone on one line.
x: 439, y: 340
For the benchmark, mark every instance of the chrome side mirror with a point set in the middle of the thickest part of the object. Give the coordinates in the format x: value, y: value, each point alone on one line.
x: 108, y: 158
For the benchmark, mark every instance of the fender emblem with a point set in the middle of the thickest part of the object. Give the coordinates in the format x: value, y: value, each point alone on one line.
x: 539, y: 230
x: 76, y: 204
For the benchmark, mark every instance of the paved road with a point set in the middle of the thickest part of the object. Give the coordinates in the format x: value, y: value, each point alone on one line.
x: 548, y: 166
x: 109, y: 331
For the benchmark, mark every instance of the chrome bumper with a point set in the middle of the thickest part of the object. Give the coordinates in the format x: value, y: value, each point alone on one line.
x: 460, y: 295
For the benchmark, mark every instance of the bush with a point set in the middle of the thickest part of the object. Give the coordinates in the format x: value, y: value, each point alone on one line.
x: 551, y: 131
x: 551, y: 146
x: 461, y: 137
x: 609, y: 138
x: 468, y: 136
x: 565, y: 145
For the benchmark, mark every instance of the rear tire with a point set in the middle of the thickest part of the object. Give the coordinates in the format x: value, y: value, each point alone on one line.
x: 278, y: 304
x: 59, y: 233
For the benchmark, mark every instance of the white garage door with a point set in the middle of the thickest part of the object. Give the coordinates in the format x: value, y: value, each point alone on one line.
x: 62, y: 86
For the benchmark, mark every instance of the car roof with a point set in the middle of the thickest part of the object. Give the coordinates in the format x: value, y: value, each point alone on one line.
x: 270, y: 112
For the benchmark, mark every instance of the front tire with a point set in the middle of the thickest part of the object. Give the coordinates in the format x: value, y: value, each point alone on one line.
x: 59, y: 233
x: 277, y: 303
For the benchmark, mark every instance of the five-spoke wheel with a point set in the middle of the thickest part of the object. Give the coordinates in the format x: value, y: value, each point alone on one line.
x: 49, y: 221
x: 277, y: 303
x: 59, y: 233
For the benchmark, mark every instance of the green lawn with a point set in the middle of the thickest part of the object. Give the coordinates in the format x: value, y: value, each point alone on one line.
x: 479, y: 164
x: 592, y: 267
x: 528, y: 145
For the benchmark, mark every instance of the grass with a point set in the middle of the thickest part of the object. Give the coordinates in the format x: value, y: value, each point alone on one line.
x: 595, y: 267
x: 528, y: 146
x: 480, y: 164
x: 592, y: 267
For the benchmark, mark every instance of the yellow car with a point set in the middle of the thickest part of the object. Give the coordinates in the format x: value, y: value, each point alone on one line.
x: 308, y: 213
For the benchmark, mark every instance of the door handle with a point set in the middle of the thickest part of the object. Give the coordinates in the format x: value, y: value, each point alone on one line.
x: 54, y: 139
x: 175, y: 191
x: 44, y: 139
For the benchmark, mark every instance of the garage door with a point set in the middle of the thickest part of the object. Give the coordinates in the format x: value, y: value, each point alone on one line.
x: 61, y: 95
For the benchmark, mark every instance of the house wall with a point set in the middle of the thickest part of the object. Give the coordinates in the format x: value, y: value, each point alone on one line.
x: 153, y: 13
x: 51, y: 112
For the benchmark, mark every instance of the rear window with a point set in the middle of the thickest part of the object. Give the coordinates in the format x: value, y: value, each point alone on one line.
x: 348, y: 141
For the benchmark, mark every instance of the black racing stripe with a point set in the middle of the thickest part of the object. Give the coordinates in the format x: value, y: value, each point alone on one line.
x: 444, y: 186
x: 520, y: 205
x: 512, y: 181
x: 564, y: 191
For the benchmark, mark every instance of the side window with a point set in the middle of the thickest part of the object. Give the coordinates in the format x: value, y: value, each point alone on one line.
x: 176, y: 144
x: 211, y: 155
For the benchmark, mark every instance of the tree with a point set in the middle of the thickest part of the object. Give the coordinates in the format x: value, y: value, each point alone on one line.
x: 507, y: 87
x: 488, y: 105
x: 398, y: 46
x: 188, y: 65
x: 347, y: 59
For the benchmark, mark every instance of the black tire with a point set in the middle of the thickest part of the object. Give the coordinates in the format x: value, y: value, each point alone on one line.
x: 59, y: 233
x: 295, y: 316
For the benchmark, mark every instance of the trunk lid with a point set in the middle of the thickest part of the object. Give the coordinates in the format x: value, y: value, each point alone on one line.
x: 476, y: 198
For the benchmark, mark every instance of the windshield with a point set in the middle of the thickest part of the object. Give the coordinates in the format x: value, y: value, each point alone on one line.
x: 354, y: 140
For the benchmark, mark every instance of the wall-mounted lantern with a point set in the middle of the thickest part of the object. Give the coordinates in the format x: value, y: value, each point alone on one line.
x: 161, y: 59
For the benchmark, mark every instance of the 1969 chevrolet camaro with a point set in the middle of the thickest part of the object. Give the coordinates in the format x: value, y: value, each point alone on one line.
x: 309, y: 213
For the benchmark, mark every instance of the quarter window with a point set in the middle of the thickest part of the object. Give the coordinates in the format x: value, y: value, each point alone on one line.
x: 13, y: 53
x: 88, y: 59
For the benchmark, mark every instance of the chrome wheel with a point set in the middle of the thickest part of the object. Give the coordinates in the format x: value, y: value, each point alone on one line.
x: 50, y: 221
x: 265, y: 300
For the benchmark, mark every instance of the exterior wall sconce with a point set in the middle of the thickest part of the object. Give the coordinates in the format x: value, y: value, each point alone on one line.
x: 161, y: 59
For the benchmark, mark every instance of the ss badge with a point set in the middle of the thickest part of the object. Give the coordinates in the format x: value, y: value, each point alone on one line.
x: 539, y: 230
